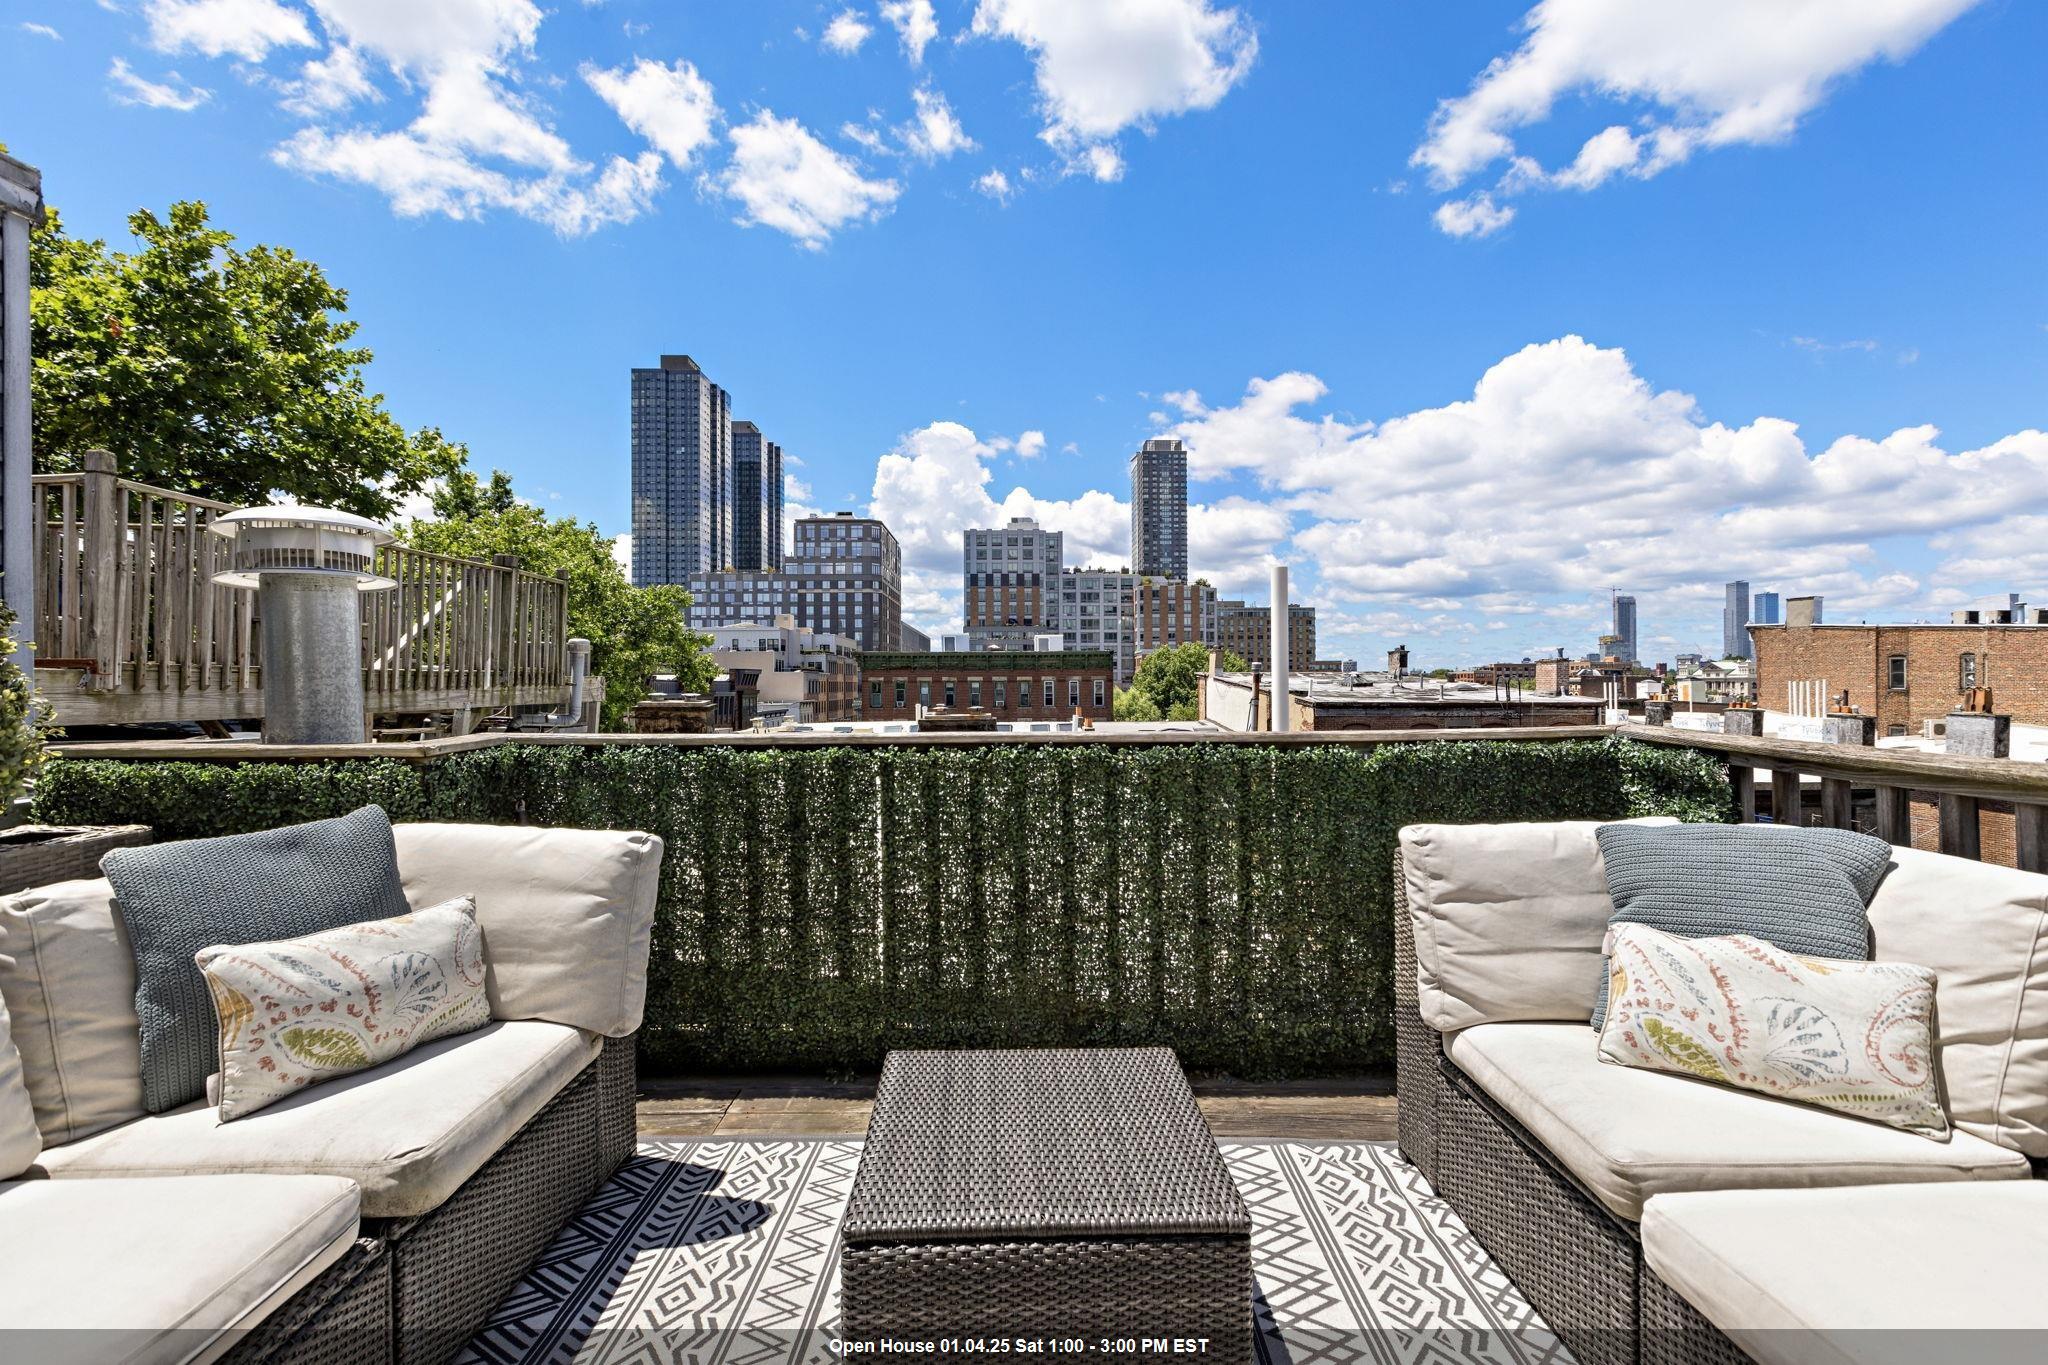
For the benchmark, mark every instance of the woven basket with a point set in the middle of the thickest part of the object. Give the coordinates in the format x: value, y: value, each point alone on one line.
x: 37, y: 855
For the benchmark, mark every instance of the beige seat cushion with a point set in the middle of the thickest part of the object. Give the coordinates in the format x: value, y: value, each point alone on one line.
x: 566, y: 914
x: 408, y: 1132
x: 19, y: 1140
x: 68, y: 977
x: 1984, y: 931
x: 1508, y: 920
x: 1878, y: 1275
x: 148, y: 1271
x: 1628, y: 1134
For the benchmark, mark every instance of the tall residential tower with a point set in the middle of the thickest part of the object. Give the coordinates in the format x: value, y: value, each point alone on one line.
x: 682, y: 473
x: 1735, y: 621
x: 756, y: 499
x: 1159, y: 509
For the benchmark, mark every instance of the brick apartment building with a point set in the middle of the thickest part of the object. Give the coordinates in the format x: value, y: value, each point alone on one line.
x: 1009, y: 577
x: 1247, y: 631
x: 1012, y: 685
x: 1906, y: 675
x: 1173, y: 611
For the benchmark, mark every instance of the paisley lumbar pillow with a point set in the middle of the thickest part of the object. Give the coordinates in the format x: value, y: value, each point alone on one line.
x: 301, y: 1011
x: 1851, y: 1036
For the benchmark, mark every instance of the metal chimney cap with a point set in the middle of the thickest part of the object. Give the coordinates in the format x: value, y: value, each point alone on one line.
x: 319, y: 541
x: 289, y: 516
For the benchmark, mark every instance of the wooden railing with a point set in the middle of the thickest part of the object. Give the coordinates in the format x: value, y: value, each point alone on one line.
x: 125, y: 594
x: 1876, y: 790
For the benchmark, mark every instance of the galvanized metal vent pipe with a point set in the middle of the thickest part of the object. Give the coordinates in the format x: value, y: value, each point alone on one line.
x: 308, y: 566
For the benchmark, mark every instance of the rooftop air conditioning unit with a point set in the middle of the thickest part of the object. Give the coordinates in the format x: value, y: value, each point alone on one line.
x: 1934, y: 729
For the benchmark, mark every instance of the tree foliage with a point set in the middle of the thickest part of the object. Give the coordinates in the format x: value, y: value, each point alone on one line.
x: 24, y: 718
x: 1169, y: 679
x: 1132, y: 705
x: 214, y: 369
x: 634, y: 633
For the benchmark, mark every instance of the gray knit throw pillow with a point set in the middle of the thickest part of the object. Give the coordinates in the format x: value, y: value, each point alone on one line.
x: 247, y: 888
x: 1805, y: 890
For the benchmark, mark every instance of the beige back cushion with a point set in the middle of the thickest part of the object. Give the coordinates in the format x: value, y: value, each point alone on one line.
x: 68, y: 978
x: 566, y: 914
x: 1508, y: 920
x: 20, y: 1141
x: 1983, y: 930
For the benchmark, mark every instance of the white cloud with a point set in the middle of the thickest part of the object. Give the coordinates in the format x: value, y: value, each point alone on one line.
x: 1704, y: 76
x: 1102, y: 66
x: 935, y: 133
x: 42, y: 31
x: 934, y: 485
x: 867, y: 137
x: 915, y: 24
x: 1233, y: 542
x: 846, y: 32
x: 784, y: 178
x: 175, y: 92
x: 1566, y: 472
x: 329, y: 84
x: 622, y: 554
x: 481, y: 139
x: 996, y: 186
x: 248, y: 29
x: 421, y: 177
x: 671, y: 106
x: 1474, y: 216
x: 1031, y: 445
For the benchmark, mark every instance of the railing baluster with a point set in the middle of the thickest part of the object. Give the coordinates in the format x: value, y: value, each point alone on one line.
x: 2030, y: 837
x: 1786, y: 799
x: 1895, y: 816
x: 1959, y: 834
x: 1742, y: 783
x: 1837, y: 803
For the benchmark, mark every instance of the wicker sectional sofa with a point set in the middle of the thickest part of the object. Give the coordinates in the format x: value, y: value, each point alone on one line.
x: 1655, y: 1218
x: 378, y: 1218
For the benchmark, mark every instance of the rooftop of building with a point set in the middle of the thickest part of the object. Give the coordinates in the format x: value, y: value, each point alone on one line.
x: 988, y: 658
x: 1362, y: 689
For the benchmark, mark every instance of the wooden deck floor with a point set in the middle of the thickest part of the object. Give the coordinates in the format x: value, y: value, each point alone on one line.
x: 1350, y: 1109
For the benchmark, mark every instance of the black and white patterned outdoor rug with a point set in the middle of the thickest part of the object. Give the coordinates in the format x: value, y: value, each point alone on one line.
x: 725, y: 1253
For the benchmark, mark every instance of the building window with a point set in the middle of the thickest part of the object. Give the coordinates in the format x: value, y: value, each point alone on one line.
x: 1002, y: 694
x: 1966, y: 672
x: 1074, y: 693
x: 924, y: 695
x: 1895, y: 730
x: 875, y: 694
x: 949, y: 694
x: 1895, y: 668
x: 1048, y: 694
x: 1098, y: 692
x: 974, y: 692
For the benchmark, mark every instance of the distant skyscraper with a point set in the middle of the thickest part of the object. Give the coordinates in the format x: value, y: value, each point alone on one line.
x: 1769, y: 611
x: 1625, y: 629
x: 1159, y: 509
x: 756, y: 499
x: 1735, y: 621
x: 844, y: 576
x: 682, y: 473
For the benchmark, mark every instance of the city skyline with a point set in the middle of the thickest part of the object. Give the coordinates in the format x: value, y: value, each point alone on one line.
x: 1505, y: 356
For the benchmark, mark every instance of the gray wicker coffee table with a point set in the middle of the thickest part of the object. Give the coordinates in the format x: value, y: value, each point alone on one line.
x: 1069, y: 1198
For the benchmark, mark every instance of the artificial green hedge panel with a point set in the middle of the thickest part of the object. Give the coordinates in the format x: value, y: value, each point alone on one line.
x: 820, y: 906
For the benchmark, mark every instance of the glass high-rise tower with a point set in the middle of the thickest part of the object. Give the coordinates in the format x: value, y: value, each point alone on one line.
x: 1735, y: 621
x: 682, y: 473
x: 1159, y: 509
x: 756, y: 499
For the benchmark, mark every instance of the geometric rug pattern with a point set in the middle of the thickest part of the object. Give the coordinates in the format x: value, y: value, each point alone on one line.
x: 706, y: 1252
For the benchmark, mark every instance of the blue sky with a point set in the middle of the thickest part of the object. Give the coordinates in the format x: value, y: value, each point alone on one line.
x: 1467, y: 312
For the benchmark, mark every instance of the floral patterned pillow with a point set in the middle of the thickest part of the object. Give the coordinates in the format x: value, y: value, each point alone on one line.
x: 1851, y: 1036
x: 301, y: 1011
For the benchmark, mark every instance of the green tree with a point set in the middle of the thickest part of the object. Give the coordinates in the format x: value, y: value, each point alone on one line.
x: 24, y: 718
x: 1168, y: 678
x: 1133, y: 705
x: 213, y: 369
x: 634, y: 633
